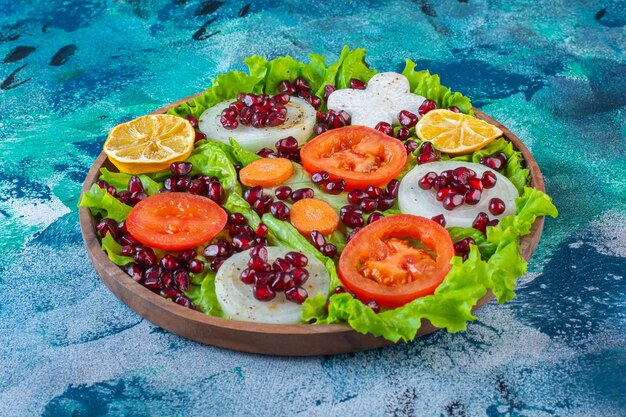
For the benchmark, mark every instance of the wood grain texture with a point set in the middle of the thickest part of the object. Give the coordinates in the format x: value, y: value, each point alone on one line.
x: 270, y: 339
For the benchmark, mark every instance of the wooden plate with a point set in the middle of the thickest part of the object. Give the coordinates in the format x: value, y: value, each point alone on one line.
x: 270, y: 339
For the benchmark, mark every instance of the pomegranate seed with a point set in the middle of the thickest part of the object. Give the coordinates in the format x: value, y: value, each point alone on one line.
x: 475, y: 183
x: 342, y: 290
x: 236, y: 106
x: 111, y: 190
x: 153, y: 283
x: 427, y: 147
x: 427, y: 106
x: 259, y: 252
x: 196, y: 266
x: 280, y: 279
x: 285, y: 86
x: 357, y: 84
x: 426, y: 182
x: 384, y: 203
x: 385, y: 128
x: 373, y: 305
x: 249, y: 100
x: 392, y: 188
x: 261, y: 230
x: 319, y: 177
x: 352, y: 220
x: 109, y: 226
x: 181, y: 277
x: 302, y: 84
x: 170, y: 293
x: 463, y: 245
x: 345, y: 117
x: 463, y: 174
x: 440, y: 219
x: 260, y: 241
x: 296, y: 259
x: 281, y: 99
x: 259, y: 119
x: 374, y: 217
x: 287, y: 145
x: 460, y: 187
x: 296, y: 295
x: 373, y: 192
x: 403, y: 133
x: 283, y: 192
x: 317, y: 239
x: 243, y: 242
x: 472, y: 197
x: 144, y: 256
x: 102, y: 184
x: 333, y: 121
x: 496, y: 206
x: 320, y: 128
x: 368, y: 204
x: 262, y: 205
x: 245, y: 116
x: 302, y: 193
x: 263, y: 292
x: 169, y: 262
x: 275, y: 119
x: 299, y: 276
x: 328, y: 90
x: 185, y: 256
x: 493, y: 222
x: 258, y: 264
x: 237, y: 219
x: 305, y: 95
x: 167, y: 279
x: 215, y: 192
x: 501, y: 156
x: 352, y: 233
x: 492, y: 162
x: 280, y: 110
x: 280, y: 210
x: 355, y: 196
x: 427, y: 157
x: 264, y: 278
x: 248, y: 276
x: 217, y: 263
x: 169, y: 184
x: 199, y: 136
x: 335, y: 187
x: 253, y: 194
x: 329, y: 250
x: 489, y: 179
x: 315, y: 101
x: 192, y: 119
x: 229, y: 123
x: 180, y: 169
x: 320, y: 116
x: 410, y: 146
x: 439, y: 183
x: 134, y: 271
x: 195, y: 187
x: 442, y: 193
x: 280, y: 264
x: 452, y: 201
x: 124, y: 196
x: 454, y: 109
x: 128, y: 250
x: 480, y: 222
x: 407, y: 119
x: 128, y: 239
x: 135, y: 185
x: 121, y: 227
x: 184, y: 301
x: 182, y: 183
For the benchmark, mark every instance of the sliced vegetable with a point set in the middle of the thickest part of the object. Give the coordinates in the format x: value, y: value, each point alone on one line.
x: 311, y: 214
x: 360, y: 155
x: 382, y: 262
x: 237, y: 300
x: 175, y: 221
x: 266, y: 172
x: 299, y: 123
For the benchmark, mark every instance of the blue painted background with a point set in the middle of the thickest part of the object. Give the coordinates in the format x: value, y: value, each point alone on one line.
x: 552, y: 71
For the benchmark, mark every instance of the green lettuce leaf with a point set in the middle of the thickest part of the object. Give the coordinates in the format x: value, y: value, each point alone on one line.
x: 120, y: 180
x: 113, y: 249
x: 104, y: 204
x: 331, y: 72
x: 204, y: 297
x: 315, y: 72
x: 210, y: 159
x: 242, y: 156
x: 236, y: 204
x: 429, y: 86
x: 353, y: 66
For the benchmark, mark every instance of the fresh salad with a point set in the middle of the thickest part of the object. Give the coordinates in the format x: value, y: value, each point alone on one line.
x: 313, y: 193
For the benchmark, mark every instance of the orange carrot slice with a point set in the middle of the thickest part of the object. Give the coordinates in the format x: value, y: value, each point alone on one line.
x: 311, y: 214
x: 266, y: 172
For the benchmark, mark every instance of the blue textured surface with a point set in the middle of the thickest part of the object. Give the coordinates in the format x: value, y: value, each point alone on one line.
x: 553, y: 72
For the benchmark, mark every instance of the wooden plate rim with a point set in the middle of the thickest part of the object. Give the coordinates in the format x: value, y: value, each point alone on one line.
x: 207, y: 329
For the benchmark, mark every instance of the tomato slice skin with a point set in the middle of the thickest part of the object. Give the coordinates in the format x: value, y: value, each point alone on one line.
x: 369, y: 241
x: 175, y: 221
x: 360, y: 155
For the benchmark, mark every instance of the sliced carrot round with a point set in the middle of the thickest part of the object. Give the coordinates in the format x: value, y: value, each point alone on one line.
x: 266, y: 172
x: 311, y: 214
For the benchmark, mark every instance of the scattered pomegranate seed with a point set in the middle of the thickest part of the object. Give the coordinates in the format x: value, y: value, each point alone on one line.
x: 496, y: 206
x: 440, y: 218
x: 287, y: 145
x: 200, y: 136
x: 280, y: 210
x: 296, y: 295
x: 180, y: 169
x: 426, y: 182
x: 302, y: 84
x: 243, y: 242
x: 463, y: 245
x: 215, y: 192
x: 454, y: 109
x: 299, y: 276
x: 217, y: 263
x: 283, y: 192
x: 357, y: 84
x: 385, y: 128
x: 355, y: 196
x: 196, y: 266
x: 426, y: 106
x: 264, y: 152
x: 392, y: 188
x: 368, y: 204
x: 280, y: 264
x: 317, y: 239
x: 262, y: 205
x: 335, y: 186
x: 328, y: 90
x: 384, y: 203
x: 319, y: 177
x: 263, y: 293
x: 472, y: 197
x: 425, y: 158
x: 452, y: 201
x: 169, y: 262
x: 296, y: 259
x: 261, y: 230
x: 193, y: 120
x: 145, y: 256
x: 480, y: 222
x: 374, y: 217
x: 352, y: 219
x: 285, y: 86
x: 134, y: 271
x: 443, y: 192
x: 302, y: 193
x: 373, y: 305
x: 410, y: 146
x: 181, y: 277
x: 253, y: 194
x: 407, y: 119
x: 247, y: 276
x: 489, y: 179
x: 352, y: 233
x: 320, y: 128
x: 492, y: 162
x: 329, y: 250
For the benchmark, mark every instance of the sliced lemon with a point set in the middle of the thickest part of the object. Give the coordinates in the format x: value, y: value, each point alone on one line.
x: 149, y: 143
x: 455, y: 133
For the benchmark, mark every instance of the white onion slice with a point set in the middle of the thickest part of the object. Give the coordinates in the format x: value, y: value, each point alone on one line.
x: 238, y: 302
x: 414, y: 200
x: 299, y: 123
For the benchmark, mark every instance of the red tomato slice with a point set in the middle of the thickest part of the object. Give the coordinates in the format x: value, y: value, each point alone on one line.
x: 175, y: 221
x: 380, y: 263
x: 360, y: 155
